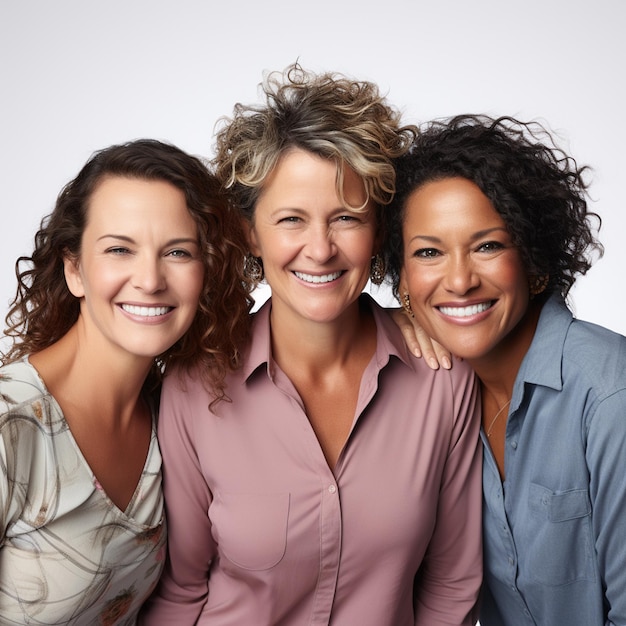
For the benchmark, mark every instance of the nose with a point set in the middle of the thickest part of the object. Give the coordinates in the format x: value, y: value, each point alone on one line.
x: 148, y: 275
x: 320, y: 246
x: 461, y: 276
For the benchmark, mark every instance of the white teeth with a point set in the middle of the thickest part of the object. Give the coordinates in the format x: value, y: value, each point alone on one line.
x: 310, y: 278
x: 465, y: 311
x: 145, y: 311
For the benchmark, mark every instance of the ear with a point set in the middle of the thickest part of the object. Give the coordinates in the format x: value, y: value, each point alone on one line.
x: 73, y: 279
x: 251, y: 236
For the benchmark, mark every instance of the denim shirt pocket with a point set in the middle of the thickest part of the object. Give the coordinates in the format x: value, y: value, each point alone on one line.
x: 560, y: 539
x: 251, y: 529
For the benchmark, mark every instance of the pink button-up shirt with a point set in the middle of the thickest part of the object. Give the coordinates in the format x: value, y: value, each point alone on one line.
x: 263, y: 532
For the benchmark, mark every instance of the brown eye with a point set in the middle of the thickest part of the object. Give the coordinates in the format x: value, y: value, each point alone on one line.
x: 490, y: 246
x: 426, y: 253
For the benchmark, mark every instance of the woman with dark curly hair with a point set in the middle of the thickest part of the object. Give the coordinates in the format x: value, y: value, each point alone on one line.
x: 330, y: 489
x: 489, y: 230
x: 138, y: 268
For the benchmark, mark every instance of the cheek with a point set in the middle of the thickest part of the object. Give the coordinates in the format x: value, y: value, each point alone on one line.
x: 511, y: 277
x: 101, y: 279
x: 279, y: 250
x: 192, y: 281
x: 362, y: 248
x: 420, y: 280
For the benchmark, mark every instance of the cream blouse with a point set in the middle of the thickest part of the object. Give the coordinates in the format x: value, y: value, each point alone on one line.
x: 67, y: 553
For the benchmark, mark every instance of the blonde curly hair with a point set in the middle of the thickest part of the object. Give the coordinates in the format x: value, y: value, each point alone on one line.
x: 328, y: 115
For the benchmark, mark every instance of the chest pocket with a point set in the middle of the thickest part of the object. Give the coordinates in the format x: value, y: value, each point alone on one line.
x: 251, y: 529
x: 560, y: 538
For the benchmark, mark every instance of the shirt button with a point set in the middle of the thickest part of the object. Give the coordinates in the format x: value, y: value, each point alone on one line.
x: 514, y: 445
x: 332, y: 489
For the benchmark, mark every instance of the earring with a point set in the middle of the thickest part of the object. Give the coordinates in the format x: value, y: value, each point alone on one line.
x: 406, y: 304
x: 377, y: 270
x: 538, y: 284
x: 252, y: 268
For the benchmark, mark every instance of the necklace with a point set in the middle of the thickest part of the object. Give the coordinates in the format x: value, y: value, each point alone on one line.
x: 493, y: 421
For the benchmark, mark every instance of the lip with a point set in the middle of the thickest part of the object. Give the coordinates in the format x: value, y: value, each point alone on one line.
x: 465, y: 313
x: 318, y: 279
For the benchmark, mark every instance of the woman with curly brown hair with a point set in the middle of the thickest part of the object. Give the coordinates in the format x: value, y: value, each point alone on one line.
x: 342, y: 483
x: 137, y: 269
x: 489, y: 230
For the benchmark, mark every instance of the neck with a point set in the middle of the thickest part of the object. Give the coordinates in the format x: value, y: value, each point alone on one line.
x: 318, y: 346
x: 497, y: 370
x: 86, y: 376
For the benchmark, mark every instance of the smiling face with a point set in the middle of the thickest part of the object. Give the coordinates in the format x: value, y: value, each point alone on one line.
x: 316, y: 253
x: 139, y: 275
x: 468, y: 287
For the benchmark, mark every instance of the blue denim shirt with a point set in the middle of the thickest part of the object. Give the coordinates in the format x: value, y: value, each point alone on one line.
x: 555, y: 531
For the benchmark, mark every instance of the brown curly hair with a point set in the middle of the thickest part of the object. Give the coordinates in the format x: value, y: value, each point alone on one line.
x: 328, y: 115
x: 44, y: 309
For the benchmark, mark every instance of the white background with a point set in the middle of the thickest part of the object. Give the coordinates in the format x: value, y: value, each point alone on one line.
x: 79, y: 75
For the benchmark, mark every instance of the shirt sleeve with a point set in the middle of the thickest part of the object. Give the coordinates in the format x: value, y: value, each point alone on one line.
x: 449, y: 580
x: 606, y: 443
x: 183, y: 587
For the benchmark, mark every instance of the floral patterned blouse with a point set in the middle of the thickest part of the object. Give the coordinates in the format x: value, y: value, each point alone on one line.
x: 68, y: 555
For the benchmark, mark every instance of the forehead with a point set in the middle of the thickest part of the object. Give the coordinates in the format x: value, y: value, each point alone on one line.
x: 132, y: 202
x: 450, y: 198
x: 303, y: 179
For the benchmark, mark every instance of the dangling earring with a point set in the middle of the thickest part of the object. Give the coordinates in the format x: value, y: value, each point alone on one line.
x: 252, y: 268
x: 377, y: 270
x: 406, y: 304
x: 537, y: 285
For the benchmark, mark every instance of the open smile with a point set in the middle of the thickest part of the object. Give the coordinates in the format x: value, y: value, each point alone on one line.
x: 466, y: 311
x: 313, y: 278
x: 146, y: 311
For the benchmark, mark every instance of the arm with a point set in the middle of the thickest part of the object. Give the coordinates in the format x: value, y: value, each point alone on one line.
x: 419, y: 342
x: 451, y: 573
x: 4, y: 492
x: 606, y: 443
x: 183, y: 587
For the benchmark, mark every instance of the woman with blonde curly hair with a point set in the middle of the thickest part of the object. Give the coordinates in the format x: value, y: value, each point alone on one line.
x: 137, y: 269
x: 342, y: 482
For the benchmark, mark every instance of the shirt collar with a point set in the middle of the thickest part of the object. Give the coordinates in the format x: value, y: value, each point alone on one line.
x: 259, y: 350
x: 542, y: 363
x: 389, y: 341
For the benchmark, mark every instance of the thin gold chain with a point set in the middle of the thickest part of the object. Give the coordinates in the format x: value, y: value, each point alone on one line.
x: 493, y: 421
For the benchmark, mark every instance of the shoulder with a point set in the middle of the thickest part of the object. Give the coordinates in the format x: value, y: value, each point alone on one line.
x: 596, y: 353
x: 20, y: 385
x: 392, y: 343
x: 567, y: 353
x: 30, y: 424
x: 404, y: 377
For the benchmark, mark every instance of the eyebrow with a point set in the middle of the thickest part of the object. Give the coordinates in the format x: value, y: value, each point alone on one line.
x: 477, y: 235
x: 131, y: 240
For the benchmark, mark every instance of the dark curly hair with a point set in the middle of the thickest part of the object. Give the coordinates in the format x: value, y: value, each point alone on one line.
x: 44, y: 309
x: 326, y: 114
x: 538, y: 190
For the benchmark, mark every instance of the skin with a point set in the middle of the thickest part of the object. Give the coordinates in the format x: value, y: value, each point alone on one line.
x: 468, y: 287
x: 316, y: 254
x: 139, y: 256
x: 139, y: 276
